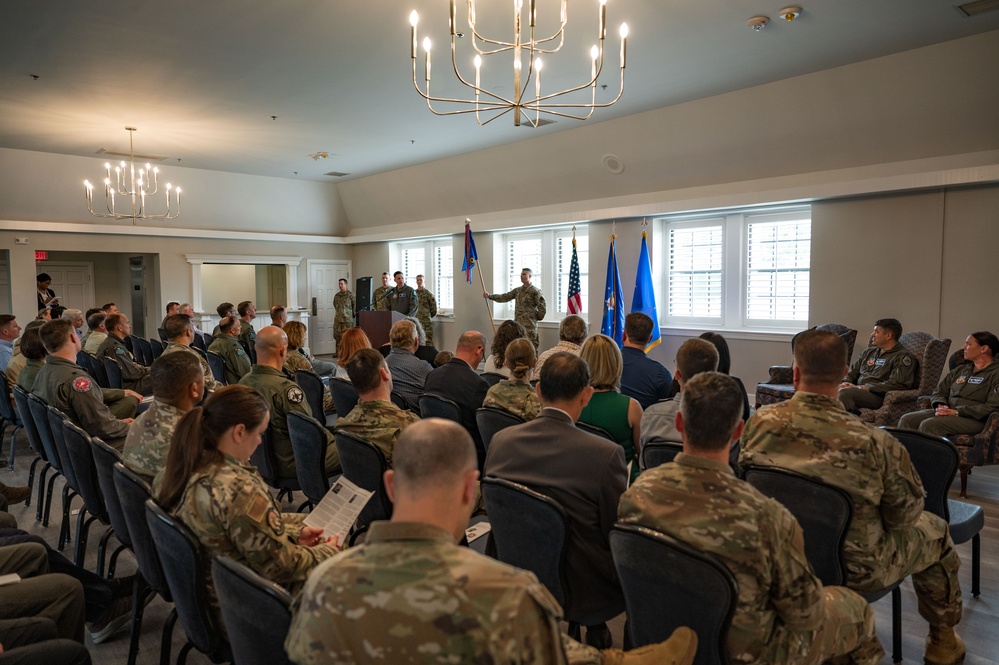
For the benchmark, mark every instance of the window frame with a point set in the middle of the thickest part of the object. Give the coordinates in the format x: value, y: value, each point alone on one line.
x: 432, y: 280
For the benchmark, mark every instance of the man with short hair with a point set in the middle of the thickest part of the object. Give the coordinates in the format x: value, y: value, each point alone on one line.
x: 458, y: 382
x: 402, y: 298
x: 642, y: 377
x: 885, y: 365
x: 434, y: 597
x: 97, y: 332
x: 571, y: 335
x: 375, y: 418
x: 133, y: 375
x: 409, y: 373
x: 345, y: 308
x: 180, y: 333
x: 178, y: 382
x: 659, y: 420
x: 282, y: 396
x: 279, y: 316
x: 172, y: 308
x: 782, y: 613
x: 9, y: 331
x: 529, y: 304
x: 584, y: 473
x: 247, y: 312
x: 224, y: 309
x: 234, y: 357
x: 426, y: 309
x: 110, y: 308
x: 890, y: 536
x: 187, y: 309
x: 379, y: 301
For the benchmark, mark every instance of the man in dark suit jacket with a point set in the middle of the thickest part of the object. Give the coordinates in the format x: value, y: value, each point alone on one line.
x: 584, y: 473
x: 458, y: 382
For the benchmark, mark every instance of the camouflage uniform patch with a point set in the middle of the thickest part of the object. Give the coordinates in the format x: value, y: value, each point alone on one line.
x: 148, y: 440
x: 378, y: 422
x: 517, y: 397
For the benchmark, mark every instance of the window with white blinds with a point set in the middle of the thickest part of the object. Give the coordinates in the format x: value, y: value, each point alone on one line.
x: 694, y: 270
x: 414, y: 262
x: 443, y: 280
x: 432, y: 258
x: 777, y: 269
x: 563, y: 261
x: 549, y: 255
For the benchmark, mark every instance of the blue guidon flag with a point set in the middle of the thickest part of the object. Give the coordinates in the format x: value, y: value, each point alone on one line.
x: 613, y: 321
x: 470, y: 254
x: 644, y: 299
x: 575, y: 303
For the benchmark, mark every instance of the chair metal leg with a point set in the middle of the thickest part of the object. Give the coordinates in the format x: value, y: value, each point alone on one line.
x: 182, y: 656
x: 102, y: 550
x: 113, y: 564
x: 976, y: 565
x: 82, y: 531
x: 965, y: 470
x: 12, y: 437
x: 40, y: 507
x: 139, y: 594
x: 48, y: 498
x: 67, y: 503
x: 167, y: 641
x: 31, y: 480
x: 896, y: 624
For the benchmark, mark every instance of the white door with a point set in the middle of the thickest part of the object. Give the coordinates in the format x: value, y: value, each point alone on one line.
x: 323, y: 278
x: 72, y: 282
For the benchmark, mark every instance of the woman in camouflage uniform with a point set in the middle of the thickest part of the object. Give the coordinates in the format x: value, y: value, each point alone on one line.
x: 296, y: 360
x: 516, y: 394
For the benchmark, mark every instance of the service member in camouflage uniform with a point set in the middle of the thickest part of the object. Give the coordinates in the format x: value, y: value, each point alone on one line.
x: 133, y: 375
x: 966, y: 396
x: 530, y: 305
x: 227, y: 346
x: 226, y: 503
x: 378, y: 300
x: 282, y: 396
x: 426, y: 310
x: 345, y: 311
x: 890, y: 535
x: 178, y: 384
x: 180, y: 333
x: 516, y: 394
x: 783, y: 614
x: 885, y: 365
x: 66, y: 386
x: 375, y: 418
x: 247, y: 312
x: 409, y: 594
x: 296, y: 360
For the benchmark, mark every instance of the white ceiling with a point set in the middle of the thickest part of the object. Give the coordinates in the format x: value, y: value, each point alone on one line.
x: 201, y: 79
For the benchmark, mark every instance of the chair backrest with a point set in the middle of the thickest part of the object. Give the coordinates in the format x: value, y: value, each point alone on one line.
x: 655, y: 453
x: 198, y: 343
x: 98, y: 372
x: 81, y: 459
x: 312, y: 386
x: 932, y: 355
x: 668, y: 584
x: 6, y: 410
x: 157, y: 347
x: 530, y: 531
x: 491, y: 419
x: 935, y: 460
x: 492, y: 378
x: 162, y: 333
x: 34, y: 441
x: 364, y: 465
x: 201, y: 352
x: 183, y: 567
x: 344, y: 396
x: 105, y: 457
x: 143, y: 350
x: 823, y: 511
x: 308, y: 443
x: 39, y: 411
x: 396, y: 398
x: 435, y: 406
x: 134, y: 492
x: 217, y: 365
x: 263, y: 458
x: 128, y: 344
x: 848, y: 335
x: 593, y: 429
x: 84, y: 360
x: 113, y: 371
x: 256, y: 613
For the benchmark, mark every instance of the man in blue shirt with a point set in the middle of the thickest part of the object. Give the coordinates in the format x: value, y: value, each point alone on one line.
x: 9, y: 331
x: 642, y: 377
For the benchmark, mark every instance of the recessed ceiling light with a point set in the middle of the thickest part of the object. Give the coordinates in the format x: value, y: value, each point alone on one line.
x: 790, y: 13
x: 757, y: 23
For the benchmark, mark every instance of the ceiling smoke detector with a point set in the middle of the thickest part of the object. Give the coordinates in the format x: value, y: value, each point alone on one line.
x: 790, y: 13
x: 757, y: 23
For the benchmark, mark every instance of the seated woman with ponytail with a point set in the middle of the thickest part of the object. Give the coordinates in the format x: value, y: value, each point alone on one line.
x: 209, y: 484
x: 516, y: 394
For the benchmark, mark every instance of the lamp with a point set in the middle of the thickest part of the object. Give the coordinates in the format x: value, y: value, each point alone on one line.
x: 126, y: 184
x: 526, y: 49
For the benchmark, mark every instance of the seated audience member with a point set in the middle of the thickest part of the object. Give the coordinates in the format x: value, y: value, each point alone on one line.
x: 725, y: 367
x: 516, y: 394
x: 442, y: 358
x: 75, y: 316
x: 180, y: 334
x: 247, y: 311
x: 296, y: 359
x: 9, y: 331
x: 783, y: 614
x: 966, y: 396
x: 409, y: 373
x: 659, y: 420
x: 427, y: 585
x: 86, y: 318
x: 178, y: 383
x: 353, y: 339
x: 584, y: 473
x: 890, y: 535
x: 226, y: 345
x: 642, y: 377
x: 29, y: 355
x: 98, y: 331
x: 224, y: 309
x: 279, y: 316
x: 506, y: 333
x: 63, y: 384
x: 187, y: 309
x: 133, y: 375
x: 458, y: 382
x: 619, y: 414
x: 885, y: 365
x: 571, y: 334
x: 172, y: 309
x: 40, y: 594
x: 375, y: 418
x: 209, y: 485
x: 282, y: 396
x: 423, y: 352
x: 44, y: 315
x: 110, y: 308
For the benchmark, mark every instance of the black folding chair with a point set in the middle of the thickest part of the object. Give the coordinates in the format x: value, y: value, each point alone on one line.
x: 312, y: 386
x: 364, y: 465
x: 39, y: 411
x: 655, y: 453
x: 344, y: 396
x: 593, y: 429
x: 35, y: 443
x: 8, y: 418
x: 256, y: 613
x: 491, y: 419
x: 309, y: 443
x: 266, y: 462
x: 217, y: 365
x: 436, y: 406
x: 492, y: 378
x: 113, y: 372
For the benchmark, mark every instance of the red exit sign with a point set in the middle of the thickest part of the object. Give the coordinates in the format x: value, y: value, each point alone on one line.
x: 41, y: 256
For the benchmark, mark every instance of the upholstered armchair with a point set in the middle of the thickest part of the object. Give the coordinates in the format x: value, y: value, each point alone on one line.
x: 779, y: 386
x: 977, y: 449
x: 931, y: 352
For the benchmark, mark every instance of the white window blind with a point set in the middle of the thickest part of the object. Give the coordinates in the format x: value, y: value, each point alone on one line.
x: 432, y: 258
x: 777, y: 269
x: 414, y: 262
x: 444, y: 275
x: 563, y: 260
x: 695, y: 263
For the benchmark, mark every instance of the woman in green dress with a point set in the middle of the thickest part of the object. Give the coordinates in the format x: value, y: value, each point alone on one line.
x: 619, y: 414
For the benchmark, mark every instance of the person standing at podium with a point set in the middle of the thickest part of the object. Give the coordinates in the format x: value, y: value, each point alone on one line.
x: 402, y: 298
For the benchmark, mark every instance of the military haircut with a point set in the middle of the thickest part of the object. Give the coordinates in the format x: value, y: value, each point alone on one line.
x: 113, y: 321
x: 225, y: 309
x: 402, y: 334
x: 277, y: 310
x: 820, y: 356
x: 603, y: 357
x: 172, y: 373
x: 243, y: 307
x: 985, y: 338
x: 107, y: 306
x: 397, y: 272
x: 341, y: 280
x: 894, y: 326
x: 90, y: 312
x: 295, y: 330
x: 31, y: 344
x: 712, y: 409
x: 228, y: 323
x: 639, y: 327
x: 572, y: 329
x: 35, y: 323
x: 528, y: 271
x: 55, y: 334
x: 95, y: 320
x: 364, y: 367
x: 6, y: 320
x: 471, y: 340
x: 170, y: 305
x: 175, y: 325
x: 563, y: 377
x: 432, y: 453
x: 695, y: 356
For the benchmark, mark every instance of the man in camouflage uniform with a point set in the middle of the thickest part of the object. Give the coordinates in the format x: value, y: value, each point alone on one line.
x: 227, y: 346
x: 378, y: 300
x: 783, y: 614
x: 890, y: 535
x: 375, y: 418
x: 345, y: 307
x: 410, y: 594
x: 530, y: 305
x: 885, y: 365
x: 426, y: 309
x: 180, y: 333
x: 247, y: 312
x: 63, y: 384
x: 282, y: 396
x: 178, y: 383
x: 133, y: 375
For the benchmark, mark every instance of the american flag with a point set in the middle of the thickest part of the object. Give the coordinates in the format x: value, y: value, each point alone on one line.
x: 575, y: 305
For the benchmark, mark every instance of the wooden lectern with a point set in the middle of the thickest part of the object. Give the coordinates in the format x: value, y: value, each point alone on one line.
x: 376, y: 326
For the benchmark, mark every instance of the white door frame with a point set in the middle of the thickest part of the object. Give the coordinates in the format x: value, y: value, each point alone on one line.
x: 310, y: 263
x: 88, y: 288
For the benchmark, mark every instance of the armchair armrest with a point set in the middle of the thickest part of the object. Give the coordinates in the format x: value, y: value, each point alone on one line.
x: 781, y: 374
x: 898, y: 397
x: 923, y: 402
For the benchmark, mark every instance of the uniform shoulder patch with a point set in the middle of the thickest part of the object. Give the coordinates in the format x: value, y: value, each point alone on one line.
x: 295, y: 395
x: 120, y: 351
x: 240, y: 352
x: 81, y: 384
x: 906, y: 360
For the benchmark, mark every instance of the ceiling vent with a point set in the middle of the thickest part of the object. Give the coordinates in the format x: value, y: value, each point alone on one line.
x: 125, y: 155
x: 336, y: 174
x: 978, y: 7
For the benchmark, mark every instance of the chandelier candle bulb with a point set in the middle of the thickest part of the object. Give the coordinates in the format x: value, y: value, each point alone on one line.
x: 624, y: 43
x: 452, y: 18
x: 426, y: 52
x: 603, y: 18
x: 414, y: 18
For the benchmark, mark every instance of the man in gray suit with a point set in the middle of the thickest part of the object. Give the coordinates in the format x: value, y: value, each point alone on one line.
x: 584, y: 473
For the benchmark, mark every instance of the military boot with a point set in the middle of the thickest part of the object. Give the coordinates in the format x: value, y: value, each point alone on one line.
x: 679, y: 649
x: 14, y: 494
x: 943, y: 647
